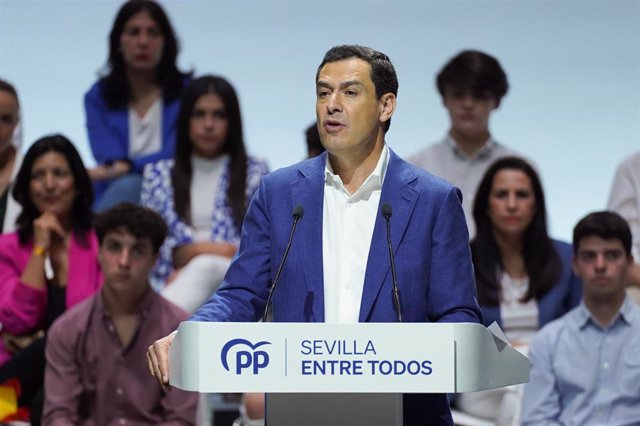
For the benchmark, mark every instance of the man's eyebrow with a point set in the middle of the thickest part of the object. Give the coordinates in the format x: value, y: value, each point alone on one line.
x: 342, y: 85
x: 348, y: 83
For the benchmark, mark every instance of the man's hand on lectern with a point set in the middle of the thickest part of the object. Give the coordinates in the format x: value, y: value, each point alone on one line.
x: 158, y: 360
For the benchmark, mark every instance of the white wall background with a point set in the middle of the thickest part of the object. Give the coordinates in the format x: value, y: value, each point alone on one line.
x: 573, y: 65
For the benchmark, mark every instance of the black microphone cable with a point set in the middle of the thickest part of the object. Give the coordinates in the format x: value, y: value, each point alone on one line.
x: 297, y: 212
x: 386, y: 213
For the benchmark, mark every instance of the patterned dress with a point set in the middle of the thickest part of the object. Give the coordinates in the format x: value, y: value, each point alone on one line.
x: 157, y: 194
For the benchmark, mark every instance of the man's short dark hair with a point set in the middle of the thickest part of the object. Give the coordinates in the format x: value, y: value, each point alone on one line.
x: 604, y: 224
x: 138, y: 221
x: 476, y: 71
x: 383, y: 74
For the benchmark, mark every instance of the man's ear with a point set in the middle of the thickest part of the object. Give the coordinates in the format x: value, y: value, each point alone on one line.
x: 388, y: 103
x: 574, y: 265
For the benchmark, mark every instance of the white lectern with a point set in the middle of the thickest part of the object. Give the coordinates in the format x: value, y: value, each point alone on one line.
x: 318, y: 373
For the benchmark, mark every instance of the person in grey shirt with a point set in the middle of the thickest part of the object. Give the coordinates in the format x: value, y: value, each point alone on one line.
x: 585, y: 366
x: 472, y: 85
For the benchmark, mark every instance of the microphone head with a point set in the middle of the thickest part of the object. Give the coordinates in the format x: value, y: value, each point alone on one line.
x: 386, y: 210
x: 297, y: 212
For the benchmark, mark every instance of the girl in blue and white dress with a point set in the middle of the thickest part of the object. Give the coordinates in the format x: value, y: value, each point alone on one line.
x: 202, y: 193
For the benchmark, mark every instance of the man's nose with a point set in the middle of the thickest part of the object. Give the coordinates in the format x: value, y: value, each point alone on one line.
x: 124, y: 257
x: 334, y: 104
x: 468, y: 101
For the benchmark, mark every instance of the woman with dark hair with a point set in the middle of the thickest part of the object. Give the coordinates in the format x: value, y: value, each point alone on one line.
x: 203, y: 193
x: 10, y: 157
x: 50, y: 263
x: 524, y: 278
x: 131, y: 111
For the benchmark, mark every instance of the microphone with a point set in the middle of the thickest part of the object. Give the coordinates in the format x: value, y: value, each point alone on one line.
x: 297, y: 212
x: 386, y: 213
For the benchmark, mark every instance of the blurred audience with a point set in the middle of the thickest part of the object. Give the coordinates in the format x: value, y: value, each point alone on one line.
x: 314, y: 144
x: 10, y: 157
x: 96, y: 368
x: 203, y: 193
x: 131, y: 111
x: 472, y: 85
x: 585, y: 367
x: 524, y: 278
x: 625, y: 200
x: 49, y: 264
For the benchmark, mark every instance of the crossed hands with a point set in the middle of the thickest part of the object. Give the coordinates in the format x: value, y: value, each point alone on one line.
x: 47, y: 231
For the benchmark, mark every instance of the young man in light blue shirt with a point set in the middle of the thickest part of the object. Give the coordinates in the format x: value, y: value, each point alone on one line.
x: 585, y: 366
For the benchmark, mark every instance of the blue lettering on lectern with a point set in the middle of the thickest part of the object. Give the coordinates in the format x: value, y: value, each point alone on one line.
x: 398, y: 367
x: 332, y: 367
x: 353, y: 358
x: 337, y: 347
x: 245, y: 359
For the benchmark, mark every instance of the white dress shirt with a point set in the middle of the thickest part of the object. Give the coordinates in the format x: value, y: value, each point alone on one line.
x: 347, y: 228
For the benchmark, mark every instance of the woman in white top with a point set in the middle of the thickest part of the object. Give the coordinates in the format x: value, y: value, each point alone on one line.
x: 10, y: 157
x: 203, y: 193
x: 131, y: 111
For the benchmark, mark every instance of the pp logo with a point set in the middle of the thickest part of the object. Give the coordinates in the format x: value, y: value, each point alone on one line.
x: 245, y: 358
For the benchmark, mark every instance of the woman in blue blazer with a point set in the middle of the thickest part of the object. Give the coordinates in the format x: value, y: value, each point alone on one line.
x: 524, y: 278
x: 131, y: 111
x: 512, y: 249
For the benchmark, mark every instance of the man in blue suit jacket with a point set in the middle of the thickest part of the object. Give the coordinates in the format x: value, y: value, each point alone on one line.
x: 356, y: 97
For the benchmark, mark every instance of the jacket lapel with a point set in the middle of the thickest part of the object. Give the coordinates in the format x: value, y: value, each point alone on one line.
x: 308, y: 191
x: 397, y: 192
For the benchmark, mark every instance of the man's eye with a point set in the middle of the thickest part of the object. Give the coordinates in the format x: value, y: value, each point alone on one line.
x: 613, y: 255
x: 587, y: 256
x: 7, y: 119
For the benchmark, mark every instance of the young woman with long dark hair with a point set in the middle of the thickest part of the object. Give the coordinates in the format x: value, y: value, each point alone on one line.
x: 203, y: 193
x: 131, y: 111
x: 523, y: 277
x: 49, y: 264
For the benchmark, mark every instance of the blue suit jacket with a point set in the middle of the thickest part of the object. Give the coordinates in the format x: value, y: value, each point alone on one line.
x: 429, y: 238
x: 563, y: 296
x: 430, y: 242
